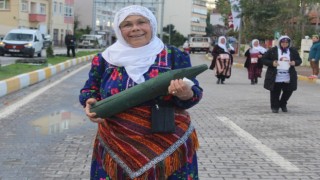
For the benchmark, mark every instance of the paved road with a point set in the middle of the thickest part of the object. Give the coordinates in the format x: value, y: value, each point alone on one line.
x: 45, y: 135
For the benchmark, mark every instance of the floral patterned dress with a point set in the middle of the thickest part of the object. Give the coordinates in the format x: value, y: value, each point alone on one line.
x: 117, y: 137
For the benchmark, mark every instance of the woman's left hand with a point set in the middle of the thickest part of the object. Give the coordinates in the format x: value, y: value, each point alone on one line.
x: 180, y: 89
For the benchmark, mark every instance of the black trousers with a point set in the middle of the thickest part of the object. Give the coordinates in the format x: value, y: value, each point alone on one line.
x: 72, y: 48
x: 280, y: 95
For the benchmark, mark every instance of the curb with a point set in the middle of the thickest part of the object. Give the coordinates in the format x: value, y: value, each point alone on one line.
x: 300, y: 77
x: 18, y: 82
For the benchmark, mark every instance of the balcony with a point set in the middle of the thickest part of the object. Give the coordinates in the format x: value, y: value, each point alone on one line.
x: 37, y: 17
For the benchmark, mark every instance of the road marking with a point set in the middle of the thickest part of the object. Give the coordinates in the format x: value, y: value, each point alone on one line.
x: 13, y: 107
x: 271, y: 154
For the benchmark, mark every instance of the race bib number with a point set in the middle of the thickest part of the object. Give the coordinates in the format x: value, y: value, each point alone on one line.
x: 254, y: 60
x: 224, y: 56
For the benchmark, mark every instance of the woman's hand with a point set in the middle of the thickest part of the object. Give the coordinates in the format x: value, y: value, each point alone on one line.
x: 275, y: 63
x: 180, y: 89
x: 92, y: 116
x: 292, y: 63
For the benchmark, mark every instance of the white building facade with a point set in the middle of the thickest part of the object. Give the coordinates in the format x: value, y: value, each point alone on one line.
x: 188, y: 16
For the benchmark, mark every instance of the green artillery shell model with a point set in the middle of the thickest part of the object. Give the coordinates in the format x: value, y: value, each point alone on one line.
x: 143, y: 92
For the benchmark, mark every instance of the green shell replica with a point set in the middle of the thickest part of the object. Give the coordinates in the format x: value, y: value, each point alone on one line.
x: 143, y: 92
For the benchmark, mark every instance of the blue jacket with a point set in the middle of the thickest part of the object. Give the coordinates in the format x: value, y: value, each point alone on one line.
x: 315, y: 51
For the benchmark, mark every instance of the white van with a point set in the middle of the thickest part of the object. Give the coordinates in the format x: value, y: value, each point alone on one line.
x: 199, y: 44
x: 90, y: 41
x: 26, y: 42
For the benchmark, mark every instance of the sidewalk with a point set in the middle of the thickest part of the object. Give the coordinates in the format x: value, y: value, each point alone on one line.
x: 303, y: 71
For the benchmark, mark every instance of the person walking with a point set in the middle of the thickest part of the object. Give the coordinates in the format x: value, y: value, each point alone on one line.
x: 314, y: 57
x: 70, y: 42
x: 281, y: 78
x: 253, y: 61
x: 222, y: 59
x: 126, y: 145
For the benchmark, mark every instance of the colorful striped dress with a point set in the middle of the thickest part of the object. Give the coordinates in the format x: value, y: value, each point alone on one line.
x: 125, y: 147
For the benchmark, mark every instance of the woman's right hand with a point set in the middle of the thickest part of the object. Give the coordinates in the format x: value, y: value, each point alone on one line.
x: 275, y: 63
x: 92, y: 116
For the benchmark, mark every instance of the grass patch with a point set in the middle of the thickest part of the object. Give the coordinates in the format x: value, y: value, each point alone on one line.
x: 20, y: 68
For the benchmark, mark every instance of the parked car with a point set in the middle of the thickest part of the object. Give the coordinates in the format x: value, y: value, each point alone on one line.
x: 47, y: 41
x: 199, y: 44
x: 27, y: 42
x: 90, y: 41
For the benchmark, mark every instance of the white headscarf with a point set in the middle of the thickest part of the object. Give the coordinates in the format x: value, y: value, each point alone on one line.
x: 136, y: 61
x: 223, y: 45
x: 284, y: 52
x: 257, y: 49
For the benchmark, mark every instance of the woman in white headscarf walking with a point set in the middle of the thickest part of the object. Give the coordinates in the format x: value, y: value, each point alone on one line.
x: 253, y: 61
x: 281, y: 76
x: 222, y: 59
x: 126, y: 145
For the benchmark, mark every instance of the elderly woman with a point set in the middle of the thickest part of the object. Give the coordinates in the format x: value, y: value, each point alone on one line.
x: 253, y: 61
x: 281, y: 76
x: 222, y: 59
x: 126, y: 146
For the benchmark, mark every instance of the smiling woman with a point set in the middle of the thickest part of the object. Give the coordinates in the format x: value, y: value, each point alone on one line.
x: 136, y: 30
x: 137, y: 142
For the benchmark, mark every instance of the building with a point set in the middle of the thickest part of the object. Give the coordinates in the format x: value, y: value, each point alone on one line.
x: 188, y: 16
x: 98, y: 14
x: 53, y: 17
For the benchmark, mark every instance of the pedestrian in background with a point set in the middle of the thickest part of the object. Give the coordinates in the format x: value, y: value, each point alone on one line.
x: 222, y: 59
x: 314, y: 57
x: 70, y: 42
x: 126, y: 146
x: 186, y: 47
x: 253, y: 61
x: 281, y: 76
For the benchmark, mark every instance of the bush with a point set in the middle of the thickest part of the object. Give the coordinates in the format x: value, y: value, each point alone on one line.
x: 49, y: 51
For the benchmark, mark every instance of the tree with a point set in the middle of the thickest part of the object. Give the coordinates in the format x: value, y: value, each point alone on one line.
x: 176, y: 38
x: 209, y: 27
x: 262, y: 18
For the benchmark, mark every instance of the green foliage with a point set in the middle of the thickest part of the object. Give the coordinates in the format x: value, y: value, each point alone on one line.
x: 262, y: 18
x: 49, y: 51
x: 224, y: 9
x: 209, y: 27
x: 176, y: 38
x: 80, y: 32
x: 20, y: 68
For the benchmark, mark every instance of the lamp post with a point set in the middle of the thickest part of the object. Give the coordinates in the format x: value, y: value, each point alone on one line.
x: 161, y: 22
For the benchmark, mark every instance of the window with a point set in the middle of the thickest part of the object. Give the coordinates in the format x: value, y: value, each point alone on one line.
x: 68, y: 11
x: 198, y: 29
x: 60, y: 8
x: 4, y: 4
x: 55, y: 7
x: 24, y: 6
x: 42, y: 8
x: 200, y: 11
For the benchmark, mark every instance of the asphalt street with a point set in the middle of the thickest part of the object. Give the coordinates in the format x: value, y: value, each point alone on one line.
x: 46, y: 135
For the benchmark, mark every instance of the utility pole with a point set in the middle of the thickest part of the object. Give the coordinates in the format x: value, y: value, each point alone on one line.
x: 94, y: 16
x: 161, y: 24
x: 239, y: 41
